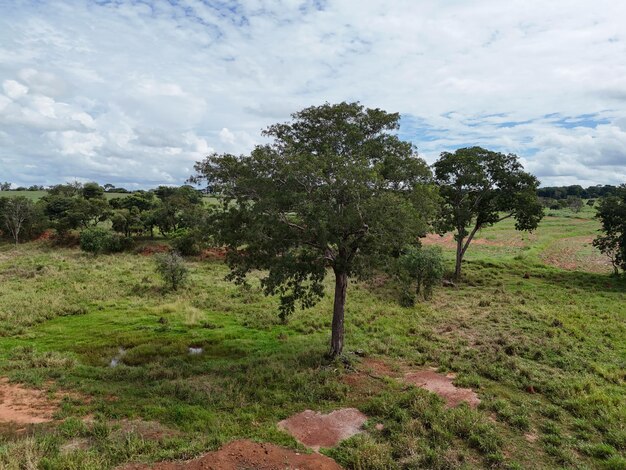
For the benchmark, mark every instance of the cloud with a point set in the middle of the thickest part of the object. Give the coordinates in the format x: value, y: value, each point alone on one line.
x: 134, y: 92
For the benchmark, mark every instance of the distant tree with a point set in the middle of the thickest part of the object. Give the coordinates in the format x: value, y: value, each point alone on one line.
x: 6, y: 186
x: 480, y: 188
x: 74, y: 206
x: 612, y: 214
x: 574, y: 203
x: 17, y: 212
x: 92, y: 191
x: 419, y: 270
x: 178, y: 208
x: 108, y: 187
x: 336, y: 188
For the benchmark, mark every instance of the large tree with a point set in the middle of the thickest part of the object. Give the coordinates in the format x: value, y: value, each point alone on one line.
x: 612, y: 214
x: 336, y: 188
x: 480, y: 188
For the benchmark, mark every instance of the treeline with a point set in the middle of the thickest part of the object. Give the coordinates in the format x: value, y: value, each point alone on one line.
x: 563, y: 192
x: 7, y: 186
x: 175, y: 212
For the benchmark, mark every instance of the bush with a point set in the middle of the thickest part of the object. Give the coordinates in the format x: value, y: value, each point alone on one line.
x: 117, y: 243
x: 94, y: 240
x: 419, y: 270
x: 171, y: 267
x: 186, y: 242
x: 97, y: 240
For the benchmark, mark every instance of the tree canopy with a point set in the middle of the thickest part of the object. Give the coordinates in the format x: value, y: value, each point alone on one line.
x: 336, y: 188
x: 612, y: 214
x: 479, y: 188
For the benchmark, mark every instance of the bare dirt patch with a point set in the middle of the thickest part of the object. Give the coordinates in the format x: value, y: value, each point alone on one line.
x: 576, y: 254
x: 240, y: 455
x: 316, y: 430
x: 153, y: 249
x: 378, y: 367
x: 217, y: 254
x: 447, y: 241
x: 23, y: 405
x: 442, y: 385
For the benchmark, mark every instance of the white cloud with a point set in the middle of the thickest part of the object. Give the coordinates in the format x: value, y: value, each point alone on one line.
x: 226, y: 136
x: 13, y: 89
x: 134, y: 93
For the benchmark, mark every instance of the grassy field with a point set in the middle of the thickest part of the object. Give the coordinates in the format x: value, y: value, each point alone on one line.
x: 538, y: 330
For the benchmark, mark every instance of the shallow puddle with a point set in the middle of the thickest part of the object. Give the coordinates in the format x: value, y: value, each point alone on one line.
x: 116, y: 360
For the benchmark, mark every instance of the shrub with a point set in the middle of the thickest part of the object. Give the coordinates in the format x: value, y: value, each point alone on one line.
x: 186, y: 242
x: 419, y: 270
x: 171, y: 267
x: 117, y: 243
x: 94, y: 240
x: 97, y: 240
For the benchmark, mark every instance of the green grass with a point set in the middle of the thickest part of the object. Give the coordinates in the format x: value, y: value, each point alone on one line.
x: 515, y: 326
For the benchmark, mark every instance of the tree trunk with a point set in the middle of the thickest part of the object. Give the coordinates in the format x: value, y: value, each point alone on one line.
x: 459, y: 259
x: 336, y: 341
x: 461, y: 248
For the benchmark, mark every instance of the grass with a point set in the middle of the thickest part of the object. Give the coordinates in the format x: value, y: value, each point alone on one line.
x: 544, y: 347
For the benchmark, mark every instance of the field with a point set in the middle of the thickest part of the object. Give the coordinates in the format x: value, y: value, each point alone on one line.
x: 537, y: 330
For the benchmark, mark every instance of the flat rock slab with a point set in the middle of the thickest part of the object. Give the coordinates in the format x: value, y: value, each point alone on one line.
x: 239, y: 455
x: 442, y: 385
x: 23, y: 405
x: 316, y: 430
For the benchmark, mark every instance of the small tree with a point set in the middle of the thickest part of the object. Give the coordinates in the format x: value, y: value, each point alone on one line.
x: 612, y: 214
x: 18, y: 212
x: 480, y: 188
x: 171, y: 267
x: 335, y: 189
x: 419, y: 270
x: 6, y: 186
x: 574, y: 203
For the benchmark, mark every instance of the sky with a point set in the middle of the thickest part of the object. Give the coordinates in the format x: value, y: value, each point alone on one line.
x: 132, y: 93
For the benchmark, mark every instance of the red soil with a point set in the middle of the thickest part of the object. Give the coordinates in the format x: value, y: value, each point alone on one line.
x: 442, y: 385
x: 447, y: 241
x: 153, y: 249
x: 22, y: 405
x: 240, y: 455
x: 217, y: 254
x: 315, y: 430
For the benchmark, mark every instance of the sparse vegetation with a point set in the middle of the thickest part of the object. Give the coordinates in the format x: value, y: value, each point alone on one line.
x: 544, y: 354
